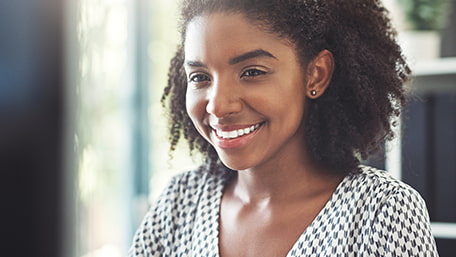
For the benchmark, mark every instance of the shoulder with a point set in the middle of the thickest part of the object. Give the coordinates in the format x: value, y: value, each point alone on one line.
x: 374, y: 196
x: 391, y: 215
x: 372, y: 192
x: 378, y: 184
x: 389, y: 196
x: 195, y: 180
x: 399, y: 220
x: 371, y: 213
x: 184, y: 189
x: 168, y: 224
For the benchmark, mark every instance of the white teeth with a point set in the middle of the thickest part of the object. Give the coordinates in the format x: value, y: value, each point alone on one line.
x: 232, y: 134
x: 236, y: 133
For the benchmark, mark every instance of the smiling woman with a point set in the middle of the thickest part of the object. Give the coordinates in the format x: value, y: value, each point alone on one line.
x: 283, y: 98
x: 241, y: 80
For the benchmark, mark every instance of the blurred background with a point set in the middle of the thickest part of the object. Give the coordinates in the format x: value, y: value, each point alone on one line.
x: 83, y: 143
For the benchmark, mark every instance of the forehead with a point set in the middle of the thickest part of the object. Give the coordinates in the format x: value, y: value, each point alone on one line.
x: 227, y: 34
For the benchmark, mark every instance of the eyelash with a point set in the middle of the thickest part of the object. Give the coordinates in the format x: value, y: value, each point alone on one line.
x: 248, y: 74
x: 257, y: 72
x: 197, y: 78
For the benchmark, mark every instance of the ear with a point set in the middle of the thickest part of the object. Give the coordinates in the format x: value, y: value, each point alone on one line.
x: 319, y: 74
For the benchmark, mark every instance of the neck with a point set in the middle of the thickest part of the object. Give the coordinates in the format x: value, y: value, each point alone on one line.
x: 290, y: 178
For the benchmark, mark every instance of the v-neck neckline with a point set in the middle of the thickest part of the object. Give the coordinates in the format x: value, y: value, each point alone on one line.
x: 299, y: 242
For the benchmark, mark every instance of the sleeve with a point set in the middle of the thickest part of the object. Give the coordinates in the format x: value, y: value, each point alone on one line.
x: 151, y: 238
x: 402, y: 227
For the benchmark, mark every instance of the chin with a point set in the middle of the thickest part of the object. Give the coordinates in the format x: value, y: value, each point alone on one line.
x: 235, y: 164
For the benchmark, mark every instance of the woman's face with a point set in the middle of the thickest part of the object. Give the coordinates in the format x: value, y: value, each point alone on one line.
x: 246, y: 90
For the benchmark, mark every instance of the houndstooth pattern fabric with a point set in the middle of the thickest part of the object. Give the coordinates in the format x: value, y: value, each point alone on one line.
x: 369, y: 214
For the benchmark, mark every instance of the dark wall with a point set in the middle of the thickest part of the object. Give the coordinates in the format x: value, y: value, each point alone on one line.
x: 429, y: 154
x: 31, y: 114
x: 429, y: 146
x: 449, y: 32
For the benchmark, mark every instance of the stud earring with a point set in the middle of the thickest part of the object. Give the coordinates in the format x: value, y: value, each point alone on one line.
x: 313, y: 92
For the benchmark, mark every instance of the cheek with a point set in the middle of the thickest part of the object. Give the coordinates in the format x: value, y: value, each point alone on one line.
x: 196, y: 108
x: 290, y: 109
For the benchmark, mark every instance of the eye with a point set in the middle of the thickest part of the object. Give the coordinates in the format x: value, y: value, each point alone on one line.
x: 254, y: 72
x: 198, y: 77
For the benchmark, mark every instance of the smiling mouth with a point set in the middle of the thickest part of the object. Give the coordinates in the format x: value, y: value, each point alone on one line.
x: 232, y: 134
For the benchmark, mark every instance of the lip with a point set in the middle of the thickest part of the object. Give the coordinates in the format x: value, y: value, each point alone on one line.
x: 230, y: 143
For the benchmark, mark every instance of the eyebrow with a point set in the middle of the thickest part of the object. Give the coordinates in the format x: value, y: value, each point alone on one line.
x: 250, y: 55
x: 235, y: 60
x: 195, y: 64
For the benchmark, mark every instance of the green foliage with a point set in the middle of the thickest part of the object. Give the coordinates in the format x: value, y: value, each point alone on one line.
x: 425, y: 14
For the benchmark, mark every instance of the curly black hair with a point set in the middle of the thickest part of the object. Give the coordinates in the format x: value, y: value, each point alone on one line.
x: 353, y: 118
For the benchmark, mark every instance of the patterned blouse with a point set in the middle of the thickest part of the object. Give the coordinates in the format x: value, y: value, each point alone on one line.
x: 369, y: 214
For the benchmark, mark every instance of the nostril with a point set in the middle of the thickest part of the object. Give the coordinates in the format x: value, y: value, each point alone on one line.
x: 221, y: 108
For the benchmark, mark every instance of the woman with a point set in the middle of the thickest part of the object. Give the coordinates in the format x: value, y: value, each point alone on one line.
x: 284, y: 98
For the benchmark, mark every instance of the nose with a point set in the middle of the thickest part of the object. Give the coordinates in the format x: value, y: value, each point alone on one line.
x: 224, y: 99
